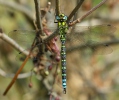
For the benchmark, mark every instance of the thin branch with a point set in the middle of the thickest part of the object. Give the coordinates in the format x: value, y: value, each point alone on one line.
x: 20, y: 76
x: 88, y: 13
x: 38, y: 16
x: 20, y: 69
x: 10, y: 41
x: 18, y: 7
x: 74, y: 11
x: 57, y: 7
x: 55, y: 33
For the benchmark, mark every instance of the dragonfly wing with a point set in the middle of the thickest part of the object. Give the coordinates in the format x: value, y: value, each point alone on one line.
x: 97, y: 32
x: 89, y: 36
x: 23, y: 37
x: 100, y: 48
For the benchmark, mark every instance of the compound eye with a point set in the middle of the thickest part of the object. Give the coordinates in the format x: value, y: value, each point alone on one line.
x: 65, y: 17
x: 57, y: 17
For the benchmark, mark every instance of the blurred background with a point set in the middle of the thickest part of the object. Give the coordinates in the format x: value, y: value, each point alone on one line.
x: 89, y: 76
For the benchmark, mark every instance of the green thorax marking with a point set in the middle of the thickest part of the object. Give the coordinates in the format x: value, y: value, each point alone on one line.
x: 62, y: 24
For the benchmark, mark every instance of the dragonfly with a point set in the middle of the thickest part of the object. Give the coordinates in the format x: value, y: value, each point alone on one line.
x: 63, y: 28
x: 84, y: 36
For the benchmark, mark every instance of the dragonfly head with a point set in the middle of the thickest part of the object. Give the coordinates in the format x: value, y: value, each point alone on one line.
x: 61, y: 17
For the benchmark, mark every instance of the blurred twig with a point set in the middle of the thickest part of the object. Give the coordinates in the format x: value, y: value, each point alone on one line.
x: 27, y: 13
x: 88, y: 13
x: 18, y: 7
x: 38, y: 16
x: 55, y: 33
x: 57, y: 7
x: 10, y: 41
x: 75, y: 15
x: 39, y: 24
x: 19, y: 70
x: 20, y: 76
x: 75, y: 10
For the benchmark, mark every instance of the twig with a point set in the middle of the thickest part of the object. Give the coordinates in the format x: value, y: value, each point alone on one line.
x: 55, y: 33
x: 76, y: 13
x: 57, y: 7
x: 88, y: 13
x: 39, y: 25
x: 75, y: 10
x: 19, y: 70
x: 20, y: 76
x: 38, y: 16
x: 18, y: 7
x: 10, y: 41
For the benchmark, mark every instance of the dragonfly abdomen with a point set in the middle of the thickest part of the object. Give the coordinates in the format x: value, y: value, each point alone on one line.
x: 63, y: 64
x: 63, y: 57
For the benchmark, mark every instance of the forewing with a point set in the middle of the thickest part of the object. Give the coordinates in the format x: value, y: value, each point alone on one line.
x: 95, y: 32
x: 90, y: 36
x: 23, y: 37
